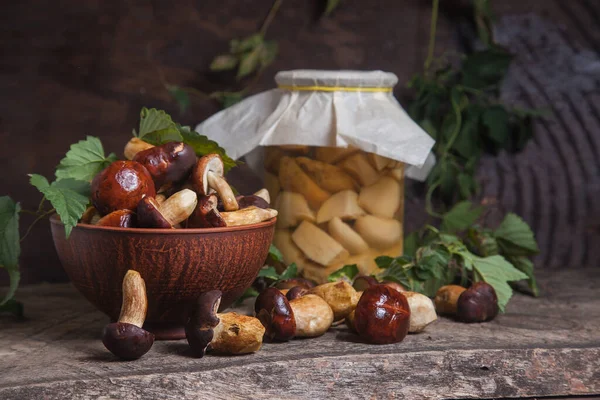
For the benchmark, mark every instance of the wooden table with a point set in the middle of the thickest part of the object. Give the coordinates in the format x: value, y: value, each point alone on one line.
x: 541, y: 347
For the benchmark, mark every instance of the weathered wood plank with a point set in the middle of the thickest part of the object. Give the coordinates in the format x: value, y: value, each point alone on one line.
x: 540, y: 347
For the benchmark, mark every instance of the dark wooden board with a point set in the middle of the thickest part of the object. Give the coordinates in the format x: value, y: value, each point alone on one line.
x: 548, y: 346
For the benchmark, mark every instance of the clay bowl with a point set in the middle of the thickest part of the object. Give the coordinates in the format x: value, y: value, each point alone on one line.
x: 177, y: 265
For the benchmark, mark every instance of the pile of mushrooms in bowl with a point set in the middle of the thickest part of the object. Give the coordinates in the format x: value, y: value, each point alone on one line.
x: 167, y: 187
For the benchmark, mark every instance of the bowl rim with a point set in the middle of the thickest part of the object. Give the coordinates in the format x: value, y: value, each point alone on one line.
x: 56, y: 221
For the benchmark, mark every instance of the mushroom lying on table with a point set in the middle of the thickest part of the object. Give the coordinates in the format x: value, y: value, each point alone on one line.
x: 126, y: 338
x: 228, y: 333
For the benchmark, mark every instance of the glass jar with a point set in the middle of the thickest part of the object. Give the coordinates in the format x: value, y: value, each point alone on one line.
x: 337, y: 206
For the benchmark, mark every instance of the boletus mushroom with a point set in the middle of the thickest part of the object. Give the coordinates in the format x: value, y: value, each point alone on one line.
x: 478, y: 303
x: 422, y: 311
x: 341, y: 297
x: 273, y: 310
x: 126, y: 338
x: 382, y: 315
x: 228, y: 333
x: 172, y: 211
x: 208, y: 178
x: 206, y: 214
x: 167, y: 163
x: 119, y: 218
x: 121, y: 186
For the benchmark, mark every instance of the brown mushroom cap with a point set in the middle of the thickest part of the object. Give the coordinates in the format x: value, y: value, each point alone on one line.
x: 203, y: 319
x: 119, y: 218
x: 121, y: 186
x: 167, y: 163
x: 149, y: 215
x: 206, y: 214
x: 291, y: 282
x: 209, y: 162
x: 478, y: 303
x: 127, y: 341
x: 295, y: 292
x: 382, y: 315
x: 246, y: 201
x: 275, y: 313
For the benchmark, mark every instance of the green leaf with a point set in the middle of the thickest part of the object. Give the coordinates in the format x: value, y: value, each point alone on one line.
x: 460, y: 217
x: 496, y: 119
x: 10, y: 247
x: 84, y: 160
x: 248, y: 44
x: 331, y: 5
x: 411, y: 243
x: 249, y: 62
x: 467, y: 185
x: 67, y: 196
x: 224, y: 62
x: 157, y: 127
x: 268, y: 52
x: 485, y: 68
x: 275, y: 254
x: 248, y: 293
x: 202, y: 145
x: 515, y: 237
x: 181, y: 96
x: 347, y: 273
x: 290, y: 272
x: 268, y: 272
x: 482, y: 242
x: 384, y: 262
x: 496, y: 271
x: 12, y: 307
x: 227, y: 99
x: 525, y: 265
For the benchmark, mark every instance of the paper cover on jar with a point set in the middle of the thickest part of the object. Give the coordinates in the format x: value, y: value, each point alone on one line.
x: 325, y: 108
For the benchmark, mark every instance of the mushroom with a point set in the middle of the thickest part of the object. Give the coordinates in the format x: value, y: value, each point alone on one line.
x: 119, y: 218
x: 171, y: 212
x: 343, y: 205
x: 346, y: 236
x: 350, y: 318
x: 90, y: 216
x: 206, y: 214
x: 293, y: 209
x: 382, y: 198
x: 382, y: 315
x: 294, y: 292
x: 121, y: 186
x: 247, y: 216
x: 251, y: 200
x: 478, y: 303
x: 422, y: 312
x: 378, y: 232
x: 318, y: 245
x: 362, y: 282
x: 283, y: 241
x: 275, y: 313
x: 312, y: 314
x: 446, y: 299
x: 179, y: 206
x: 208, y: 178
x: 379, y: 162
x: 126, y: 338
x: 272, y: 185
x: 167, y: 163
x: 332, y: 155
x: 134, y: 146
x: 293, y: 282
x: 340, y: 296
x: 330, y: 177
x: 293, y: 179
x: 228, y: 333
x: 264, y: 194
x: 359, y: 168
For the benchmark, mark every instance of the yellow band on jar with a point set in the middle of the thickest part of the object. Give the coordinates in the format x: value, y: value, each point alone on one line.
x: 334, y: 88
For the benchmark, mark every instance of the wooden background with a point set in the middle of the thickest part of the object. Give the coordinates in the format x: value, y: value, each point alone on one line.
x: 74, y: 68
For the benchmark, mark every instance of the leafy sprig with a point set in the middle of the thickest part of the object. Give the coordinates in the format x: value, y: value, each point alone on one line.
x: 157, y: 127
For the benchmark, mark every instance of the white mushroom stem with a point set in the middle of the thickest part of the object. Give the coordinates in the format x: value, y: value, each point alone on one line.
x: 135, y: 303
x: 134, y: 146
x: 220, y: 185
x: 248, y: 215
x: 422, y: 311
x: 237, y: 334
x: 313, y: 315
x: 179, y: 206
x: 264, y: 194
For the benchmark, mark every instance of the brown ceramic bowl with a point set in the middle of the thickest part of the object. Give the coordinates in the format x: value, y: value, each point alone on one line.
x: 177, y: 265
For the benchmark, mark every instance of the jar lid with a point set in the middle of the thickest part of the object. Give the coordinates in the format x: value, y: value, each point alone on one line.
x: 335, y: 79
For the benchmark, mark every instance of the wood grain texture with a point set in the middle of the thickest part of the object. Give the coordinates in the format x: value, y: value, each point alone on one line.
x: 176, y: 265
x: 548, y: 346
